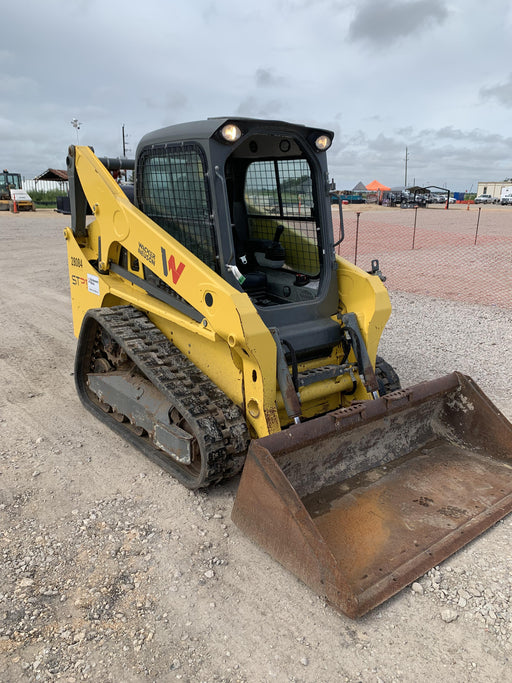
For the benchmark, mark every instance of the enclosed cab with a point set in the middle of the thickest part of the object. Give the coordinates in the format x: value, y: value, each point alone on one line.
x: 8, y: 182
x: 253, y: 207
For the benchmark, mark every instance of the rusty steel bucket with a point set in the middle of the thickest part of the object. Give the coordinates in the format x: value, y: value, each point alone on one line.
x: 361, y: 502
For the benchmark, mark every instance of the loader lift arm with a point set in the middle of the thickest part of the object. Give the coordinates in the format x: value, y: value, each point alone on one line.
x: 224, y: 312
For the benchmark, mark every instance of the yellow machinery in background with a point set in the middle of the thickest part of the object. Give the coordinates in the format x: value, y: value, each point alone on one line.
x: 12, y: 196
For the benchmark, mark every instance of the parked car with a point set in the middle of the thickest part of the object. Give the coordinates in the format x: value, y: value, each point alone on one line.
x: 484, y: 199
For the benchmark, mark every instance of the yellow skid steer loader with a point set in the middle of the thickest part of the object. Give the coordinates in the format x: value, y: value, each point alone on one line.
x: 219, y: 333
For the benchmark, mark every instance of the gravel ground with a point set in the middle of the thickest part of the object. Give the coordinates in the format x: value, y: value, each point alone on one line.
x: 111, y: 571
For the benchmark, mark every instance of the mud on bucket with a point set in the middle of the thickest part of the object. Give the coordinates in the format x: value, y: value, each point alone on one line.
x: 361, y: 502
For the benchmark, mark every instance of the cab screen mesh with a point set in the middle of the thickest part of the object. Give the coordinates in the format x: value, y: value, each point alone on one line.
x: 173, y: 192
x: 280, y: 192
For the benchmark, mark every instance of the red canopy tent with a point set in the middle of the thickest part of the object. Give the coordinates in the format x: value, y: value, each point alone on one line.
x: 375, y: 186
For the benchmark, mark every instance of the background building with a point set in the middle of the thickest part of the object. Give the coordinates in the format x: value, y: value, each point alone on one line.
x: 492, y: 187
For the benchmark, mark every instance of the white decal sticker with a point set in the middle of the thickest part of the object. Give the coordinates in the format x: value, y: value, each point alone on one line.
x: 93, y: 284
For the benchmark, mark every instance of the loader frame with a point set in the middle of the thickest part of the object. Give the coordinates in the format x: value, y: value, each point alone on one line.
x: 206, y: 313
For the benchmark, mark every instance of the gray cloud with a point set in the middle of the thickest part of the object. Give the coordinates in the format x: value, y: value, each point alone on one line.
x: 434, y: 156
x: 16, y: 85
x: 379, y: 23
x: 210, y: 12
x: 502, y: 92
x: 266, y: 78
x: 254, y: 106
x: 474, y: 137
x: 171, y: 102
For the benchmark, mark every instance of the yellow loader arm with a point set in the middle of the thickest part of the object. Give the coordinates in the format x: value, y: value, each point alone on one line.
x: 225, y: 313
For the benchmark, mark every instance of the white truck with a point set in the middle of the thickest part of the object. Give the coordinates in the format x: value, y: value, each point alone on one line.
x: 506, y: 195
x: 484, y: 199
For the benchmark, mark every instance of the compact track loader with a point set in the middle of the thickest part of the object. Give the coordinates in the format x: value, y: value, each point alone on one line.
x: 12, y: 195
x: 219, y: 332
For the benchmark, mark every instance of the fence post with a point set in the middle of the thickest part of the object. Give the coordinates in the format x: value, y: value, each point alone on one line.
x: 414, y: 229
x: 477, y: 223
x: 342, y: 226
x: 357, y: 236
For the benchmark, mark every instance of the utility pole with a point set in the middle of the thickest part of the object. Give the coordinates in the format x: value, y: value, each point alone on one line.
x: 406, y: 158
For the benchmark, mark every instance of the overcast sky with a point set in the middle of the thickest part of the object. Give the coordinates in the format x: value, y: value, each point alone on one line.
x: 430, y: 75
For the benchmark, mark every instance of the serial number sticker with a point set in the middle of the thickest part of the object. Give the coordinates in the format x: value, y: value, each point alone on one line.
x: 93, y: 284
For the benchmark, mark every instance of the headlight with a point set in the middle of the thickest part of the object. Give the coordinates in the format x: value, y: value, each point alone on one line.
x: 230, y: 132
x: 323, y: 142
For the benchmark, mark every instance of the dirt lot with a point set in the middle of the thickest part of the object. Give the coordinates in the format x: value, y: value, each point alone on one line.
x: 111, y: 571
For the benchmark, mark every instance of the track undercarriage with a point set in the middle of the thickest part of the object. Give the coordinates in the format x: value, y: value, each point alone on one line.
x: 130, y: 376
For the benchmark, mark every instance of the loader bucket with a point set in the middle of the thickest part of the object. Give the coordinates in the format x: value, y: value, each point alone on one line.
x: 361, y: 502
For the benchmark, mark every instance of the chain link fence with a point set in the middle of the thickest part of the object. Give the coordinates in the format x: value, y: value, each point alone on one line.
x: 460, y: 253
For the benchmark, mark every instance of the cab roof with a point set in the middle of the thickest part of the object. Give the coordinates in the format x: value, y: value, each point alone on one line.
x: 206, y: 129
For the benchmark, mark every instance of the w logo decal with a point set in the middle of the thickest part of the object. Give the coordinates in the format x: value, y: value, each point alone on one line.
x: 169, y: 265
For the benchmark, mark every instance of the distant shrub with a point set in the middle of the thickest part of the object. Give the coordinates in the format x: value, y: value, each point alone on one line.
x: 47, y: 198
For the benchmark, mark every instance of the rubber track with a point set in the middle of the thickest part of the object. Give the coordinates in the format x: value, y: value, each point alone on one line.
x: 387, y: 378
x: 217, y: 423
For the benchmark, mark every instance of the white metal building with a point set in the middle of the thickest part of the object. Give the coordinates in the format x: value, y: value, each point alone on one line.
x: 492, y: 187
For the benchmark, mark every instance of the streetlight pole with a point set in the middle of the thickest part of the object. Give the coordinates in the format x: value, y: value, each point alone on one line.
x: 406, y: 158
x: 76, y: 125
